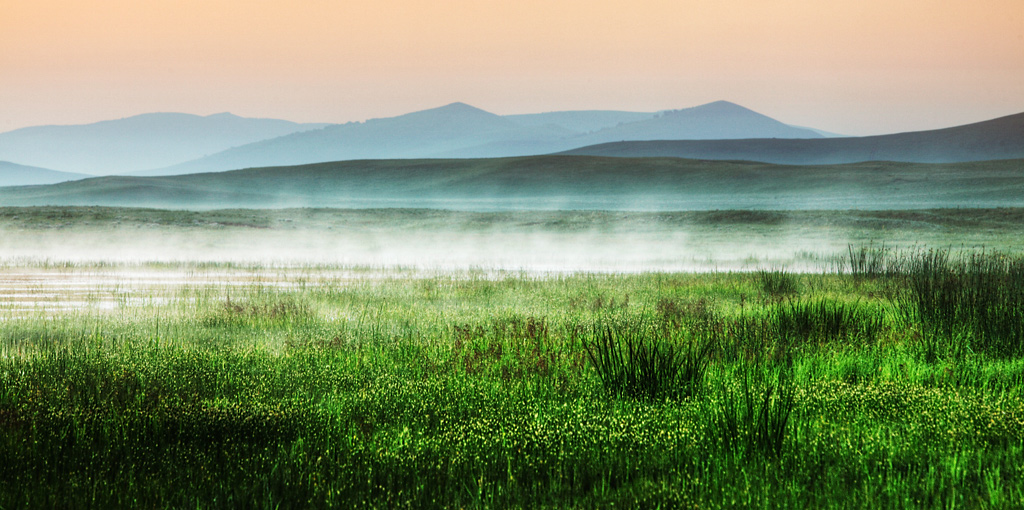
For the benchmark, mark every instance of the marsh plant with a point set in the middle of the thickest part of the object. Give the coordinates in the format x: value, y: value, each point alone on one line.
x: 457, y: 390
x: 755, y: 419
x: 824, y: 320
x: 632, y: 360
x: 871, y: 261
x: 777, y: 283
x: 971, y: 302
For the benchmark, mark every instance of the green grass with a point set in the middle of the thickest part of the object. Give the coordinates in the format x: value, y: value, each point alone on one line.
x: 635, y: 361
x: 510, y: 390
x: 973, y: 302
x: 777, y: 283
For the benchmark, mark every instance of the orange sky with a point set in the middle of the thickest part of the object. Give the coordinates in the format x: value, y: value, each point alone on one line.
x: 856, y: 67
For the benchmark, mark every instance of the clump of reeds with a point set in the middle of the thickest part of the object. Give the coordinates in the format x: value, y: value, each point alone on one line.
x: 632, y: 362
x: 825, y: 319
x: 870, y: 262
x: 976, y: 298
x: 776, y: 330
x: 235, y: 313
x: 777, y: 283
x: 754, y: 420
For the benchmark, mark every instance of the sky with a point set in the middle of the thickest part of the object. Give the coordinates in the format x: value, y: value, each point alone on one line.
x: 855, y: 67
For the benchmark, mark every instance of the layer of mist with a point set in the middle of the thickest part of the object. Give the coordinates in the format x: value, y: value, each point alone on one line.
x: 535, y: 241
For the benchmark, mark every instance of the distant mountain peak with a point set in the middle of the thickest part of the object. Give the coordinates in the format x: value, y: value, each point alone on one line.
x: 718, y: 119
x: 721, y: 103
x: 456, y: 108
x: 451, y: 112
x: 715, y: 107
x: 223, y: 115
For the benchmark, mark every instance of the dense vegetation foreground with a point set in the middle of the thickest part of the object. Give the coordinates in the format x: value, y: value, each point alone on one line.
x: 896, y: 382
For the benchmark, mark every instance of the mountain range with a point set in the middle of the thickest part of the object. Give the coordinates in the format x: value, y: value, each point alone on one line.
x: 173, y: 144
x: 13, y: 174
x: 170, y: 143
x: 459, y: 130
x: 142, y: 142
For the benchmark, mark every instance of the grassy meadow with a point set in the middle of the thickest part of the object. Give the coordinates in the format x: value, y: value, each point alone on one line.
x: 889, y: 376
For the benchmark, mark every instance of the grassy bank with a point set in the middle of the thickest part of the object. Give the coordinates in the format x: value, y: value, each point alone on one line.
x: 896, y: 382
x: 999, y: 221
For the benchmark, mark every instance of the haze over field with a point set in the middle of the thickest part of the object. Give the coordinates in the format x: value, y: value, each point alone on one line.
x: 534, y: 241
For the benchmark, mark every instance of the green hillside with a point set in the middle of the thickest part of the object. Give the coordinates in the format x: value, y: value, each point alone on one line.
x: 556, y: 182
x: 1001, y: 138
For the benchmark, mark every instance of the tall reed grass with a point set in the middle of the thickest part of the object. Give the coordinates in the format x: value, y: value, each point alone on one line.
x: 632, y: 360
x: 971, y: 302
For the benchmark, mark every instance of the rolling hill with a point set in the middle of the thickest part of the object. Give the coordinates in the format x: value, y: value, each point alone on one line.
x: 1001, y: 138
x: 555, y: 182
x: 13, y: 174
x: 141, y: 142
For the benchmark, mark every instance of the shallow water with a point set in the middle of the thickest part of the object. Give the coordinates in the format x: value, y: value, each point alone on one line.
x: 43, y: 290
x: 25, y: 290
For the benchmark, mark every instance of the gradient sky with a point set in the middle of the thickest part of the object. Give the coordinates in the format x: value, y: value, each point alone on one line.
x: 850, y: 66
